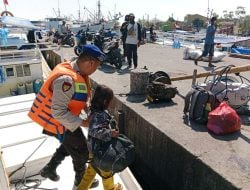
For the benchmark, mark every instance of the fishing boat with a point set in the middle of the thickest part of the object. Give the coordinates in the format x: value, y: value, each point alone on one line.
x: 243, y: 53
x: 94, y: 22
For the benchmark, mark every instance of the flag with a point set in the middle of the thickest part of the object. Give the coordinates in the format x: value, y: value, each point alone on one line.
x: 5, y: 2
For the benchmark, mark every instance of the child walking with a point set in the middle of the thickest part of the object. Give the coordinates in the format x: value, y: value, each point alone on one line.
x: 99, y: 130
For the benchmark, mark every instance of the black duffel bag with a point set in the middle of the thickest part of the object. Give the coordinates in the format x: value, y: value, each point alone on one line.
x: 114, y: 155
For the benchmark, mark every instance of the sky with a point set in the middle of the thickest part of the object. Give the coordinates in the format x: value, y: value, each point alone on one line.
x: 147, y: 9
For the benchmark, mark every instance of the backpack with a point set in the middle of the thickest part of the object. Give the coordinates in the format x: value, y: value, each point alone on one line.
x: 160, y: 88
x: 198, y: 103
x: 114, y: 155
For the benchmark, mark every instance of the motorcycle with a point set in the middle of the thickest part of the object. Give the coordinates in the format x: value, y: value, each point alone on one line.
x: 81, y: 39
x: 64, y: 39
x: 111, y: 49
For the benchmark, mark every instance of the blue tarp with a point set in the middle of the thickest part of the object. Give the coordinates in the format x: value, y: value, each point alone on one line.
x: 3, y: 36
x: 2, y: 75
x: 17, y: 22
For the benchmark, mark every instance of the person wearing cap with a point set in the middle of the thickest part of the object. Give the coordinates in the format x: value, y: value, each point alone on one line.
x: 58, y: 105
x: 133, y: 40
x: 209, y: 43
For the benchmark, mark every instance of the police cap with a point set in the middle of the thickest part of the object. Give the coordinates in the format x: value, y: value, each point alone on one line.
x: 93, y: 51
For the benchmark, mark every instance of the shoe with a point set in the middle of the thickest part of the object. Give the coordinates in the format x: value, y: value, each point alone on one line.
x: 118, y: 186
x: 128, y: 67
x: 211, y: 65
x: 195, y: 62
x: 95, y: 183
x: 47, y: 172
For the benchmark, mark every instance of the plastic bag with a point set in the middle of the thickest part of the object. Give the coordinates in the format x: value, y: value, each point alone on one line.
x: 223, y: 120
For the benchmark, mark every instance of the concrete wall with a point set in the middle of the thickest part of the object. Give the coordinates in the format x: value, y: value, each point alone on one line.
x: 161, y: 163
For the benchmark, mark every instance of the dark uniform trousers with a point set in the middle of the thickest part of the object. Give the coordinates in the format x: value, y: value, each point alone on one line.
x: 75, y: 145
x: 131, y: 50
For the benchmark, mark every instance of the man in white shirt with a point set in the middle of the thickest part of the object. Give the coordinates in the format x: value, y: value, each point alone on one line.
x: 133, y: 40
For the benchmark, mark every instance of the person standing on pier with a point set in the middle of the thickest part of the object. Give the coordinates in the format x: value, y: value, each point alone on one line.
x: 58, y: 105
x: 124, y: 31
x: 64, y: 28
x: 209, y: 43
x: 133, y: 40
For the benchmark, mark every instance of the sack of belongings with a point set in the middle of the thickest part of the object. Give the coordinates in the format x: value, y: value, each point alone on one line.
x: 235, y: 92
x: 223, y: 120
x: 160, y: 88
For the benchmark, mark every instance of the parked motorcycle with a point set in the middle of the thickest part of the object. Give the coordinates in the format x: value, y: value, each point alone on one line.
x: 81, y: 39
x: 111, y: 49
x: 64, y: 39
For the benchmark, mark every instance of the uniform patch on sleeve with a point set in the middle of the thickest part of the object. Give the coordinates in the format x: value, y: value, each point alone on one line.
x: 66, y: 86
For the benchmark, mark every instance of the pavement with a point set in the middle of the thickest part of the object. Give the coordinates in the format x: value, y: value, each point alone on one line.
x: 228, y: 156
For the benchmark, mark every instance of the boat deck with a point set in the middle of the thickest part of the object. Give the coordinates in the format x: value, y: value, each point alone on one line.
x: 24, y: 146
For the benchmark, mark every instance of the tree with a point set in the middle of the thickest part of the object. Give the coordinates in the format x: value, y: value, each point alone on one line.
x: 245, y: 26
x: 230, y: 15
x: 240, y: 11
x: 171, y: 19
x: 198, y: 23
x: 225, y: 14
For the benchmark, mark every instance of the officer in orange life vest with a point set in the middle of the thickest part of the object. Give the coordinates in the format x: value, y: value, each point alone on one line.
x: 57, y: 107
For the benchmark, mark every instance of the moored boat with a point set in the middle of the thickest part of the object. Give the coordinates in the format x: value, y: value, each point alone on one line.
x: 243, y: 53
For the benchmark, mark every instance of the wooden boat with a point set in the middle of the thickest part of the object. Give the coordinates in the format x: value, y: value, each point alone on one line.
x: 240, y: 53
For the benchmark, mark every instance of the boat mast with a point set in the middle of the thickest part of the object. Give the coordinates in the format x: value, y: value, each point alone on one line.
x: 209, y: 12
x: 99, y: 11
x: 79, y: 11
x: 58, y: 9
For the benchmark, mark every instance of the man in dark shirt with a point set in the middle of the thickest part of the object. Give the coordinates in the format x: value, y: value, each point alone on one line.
x: 124, y: 31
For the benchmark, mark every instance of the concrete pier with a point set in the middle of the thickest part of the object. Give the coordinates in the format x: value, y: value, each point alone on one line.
x: 171, y: 153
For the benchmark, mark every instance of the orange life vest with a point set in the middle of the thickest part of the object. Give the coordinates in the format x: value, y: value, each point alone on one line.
x: 41, y: 112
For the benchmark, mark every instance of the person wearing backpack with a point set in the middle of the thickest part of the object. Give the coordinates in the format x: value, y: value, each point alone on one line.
x: 99, y: 132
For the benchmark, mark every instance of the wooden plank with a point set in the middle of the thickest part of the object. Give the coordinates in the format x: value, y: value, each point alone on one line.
x: 19, y: 133
x: 32, y: 168
x: 14, y: 119
x: 16, y: 155
x: 4, y: 181
x: 238, y: 69
x: 16, y: 99
x: 237, y: 55
x: 129, y: 180
x: 15, y: 108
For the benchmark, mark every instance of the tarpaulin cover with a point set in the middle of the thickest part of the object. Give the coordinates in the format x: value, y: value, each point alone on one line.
x: 17, y: 22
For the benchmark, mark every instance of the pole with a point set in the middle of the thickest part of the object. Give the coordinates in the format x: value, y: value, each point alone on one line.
x: 238, y: 69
